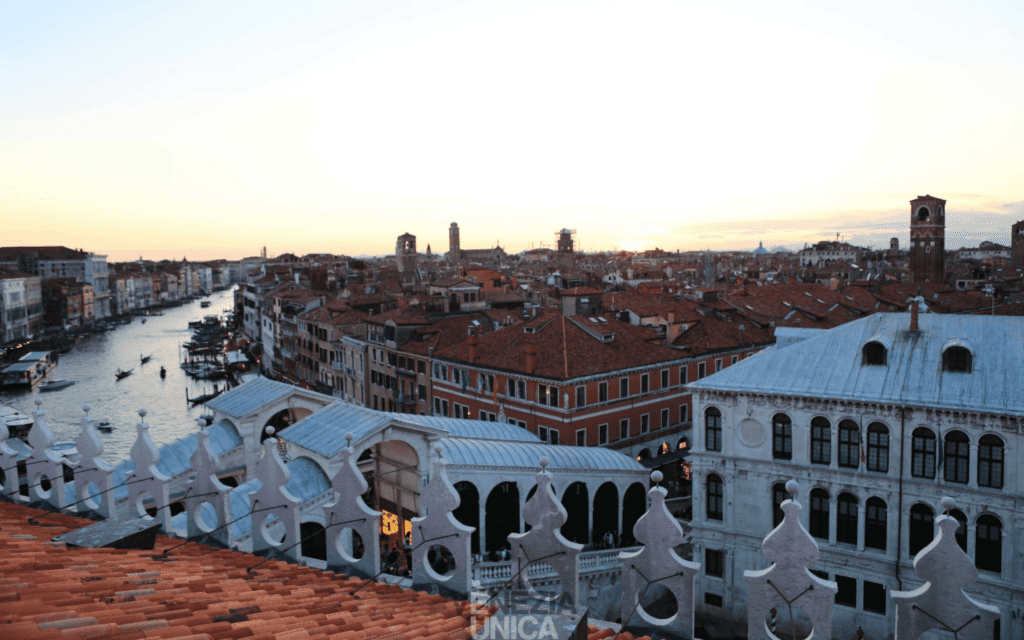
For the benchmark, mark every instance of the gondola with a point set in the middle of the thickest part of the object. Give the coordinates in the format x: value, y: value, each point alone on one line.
x: 121, y: 375
x: 144, y: 359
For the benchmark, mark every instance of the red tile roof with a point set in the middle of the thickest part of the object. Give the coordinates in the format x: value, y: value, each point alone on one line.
x: 53, y: 591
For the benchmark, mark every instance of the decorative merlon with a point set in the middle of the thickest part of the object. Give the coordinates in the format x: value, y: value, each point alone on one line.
x: 147, y: 480
x: 94, y: 476
x: 352, y: 526
x: 273, y: 502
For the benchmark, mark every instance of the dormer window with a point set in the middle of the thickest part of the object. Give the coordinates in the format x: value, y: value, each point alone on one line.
x: 874, y: 353
x: 957, y: 359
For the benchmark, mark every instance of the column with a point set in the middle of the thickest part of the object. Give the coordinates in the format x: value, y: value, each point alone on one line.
x: 972, y: 476
x: 833, y: 516
x: 833, y: 459
x: 861, y: 523
x: 481, y: 522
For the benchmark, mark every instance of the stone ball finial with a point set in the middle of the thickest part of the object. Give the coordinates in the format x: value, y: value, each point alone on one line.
x: 39, y: 402
x: 349, y: 437
x: 85, y: 408
x: 200, y: 423
x: 438, y: 448
x: 657, y: 477
x: 948, y: 503
x: 544, y: 462
x: 793, y: 487
x: 142, y: 413
x: 270, y: 431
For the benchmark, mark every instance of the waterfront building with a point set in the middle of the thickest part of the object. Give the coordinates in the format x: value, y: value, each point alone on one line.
x: 20, y: 307
x: 878, y: 419
x: 61, y: 262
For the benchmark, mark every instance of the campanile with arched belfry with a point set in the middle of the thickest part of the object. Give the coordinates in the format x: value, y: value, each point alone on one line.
x: 928, y: 239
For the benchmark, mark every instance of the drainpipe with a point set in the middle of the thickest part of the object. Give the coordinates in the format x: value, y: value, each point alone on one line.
x: 899, y: 514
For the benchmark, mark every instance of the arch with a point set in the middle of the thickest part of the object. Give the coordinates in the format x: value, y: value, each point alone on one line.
x: 923, y: 446
x: 957, y: 457
x: 988, y: 543
x: 819, y: 513
x: 663, y: 449
x: 715, y: 497
x: 782, y: 437
x: 501, y: 515
x: 283, y: 419
x: 606, y: 513
x: 683, y: 444
x: 846, y: 518
x: 712, y: 429
x: 576, y: 501
x: 922, y: 529
x: 634, y: 505
x: 990, y: 461
x: 314, y: 540
x: 779, y: 495
x: 923, y: 213
x: 876, y: 523
x: 644, y: 454
x: 874, y: 353
x: 468, y: 512
x: 878, y: 447
x: 957, y: 359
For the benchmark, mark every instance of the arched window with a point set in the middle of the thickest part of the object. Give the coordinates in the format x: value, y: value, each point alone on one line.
x: 819, y: 513
x: 923, y: 459
x: 874, y: 353
x: 875, y: 524
x: 849, y: 444
x: 988, y: 544
x: 684, y: 443
x: 712, y: 429
x: 821, y: 441
x: 878, y: 447
x: 782, y: 437
x: 716, y: 492
x: 957, y: 451
x: 922, y: 213
x: 990, y: 462
x: 779, y: 495
x: 922, y: 529
x: 956, y: 359
x: 961, y: 528
x: 846, y: 518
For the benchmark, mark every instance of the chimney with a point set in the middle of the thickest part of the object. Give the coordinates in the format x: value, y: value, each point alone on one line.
x: 531, y: 358
x: 833, y: 283
x: 913, y: 315
x: 473, y: 340
x: 296, y: 278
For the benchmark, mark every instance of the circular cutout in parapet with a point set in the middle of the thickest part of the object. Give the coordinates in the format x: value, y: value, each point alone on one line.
x: 751, y: 432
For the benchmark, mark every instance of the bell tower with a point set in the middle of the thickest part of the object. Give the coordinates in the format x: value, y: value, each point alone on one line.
x: 928, y: 239
x: 454, y: 248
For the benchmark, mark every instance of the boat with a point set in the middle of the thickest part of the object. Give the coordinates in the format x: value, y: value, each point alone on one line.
x: 204, y: 304
x: 163, y: 372
x: 143, y: 321
x: 29, y: 370
x: 55, y: 384
x: 145, y: 359
x: 120, y: 375
x: 18, y: 424
x: 105, y: 426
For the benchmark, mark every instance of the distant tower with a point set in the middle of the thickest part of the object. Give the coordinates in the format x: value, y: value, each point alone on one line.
x: 894, y: 249
x: 1017, y: 244
x: 405, y: 253
x: 454, y: 249
x: 928, y: 239
x: 263, y: 254
x: 565, y: 241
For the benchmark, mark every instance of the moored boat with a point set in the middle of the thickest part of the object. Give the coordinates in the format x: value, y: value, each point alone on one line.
x: 55, y: 384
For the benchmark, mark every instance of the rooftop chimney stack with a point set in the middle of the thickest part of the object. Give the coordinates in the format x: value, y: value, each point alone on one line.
x: 913, y: 315
x: 473, y: 341
x: 531, y: 358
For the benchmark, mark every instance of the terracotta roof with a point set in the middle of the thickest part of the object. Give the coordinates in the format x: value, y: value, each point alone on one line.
x: 581, y: 291
x: 199, y: 592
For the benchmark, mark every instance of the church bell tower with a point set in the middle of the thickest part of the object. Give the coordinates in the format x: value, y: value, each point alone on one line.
x: 928, y: 239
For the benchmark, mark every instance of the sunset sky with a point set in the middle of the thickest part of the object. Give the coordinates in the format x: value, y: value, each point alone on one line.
x: 210, y: 129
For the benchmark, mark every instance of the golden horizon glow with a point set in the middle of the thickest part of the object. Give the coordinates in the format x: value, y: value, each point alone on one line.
x: 210, y: 130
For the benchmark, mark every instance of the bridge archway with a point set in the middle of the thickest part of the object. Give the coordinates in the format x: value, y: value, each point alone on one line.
x: 468, y: 512
x: 606, y: 513
x: 502, y: 515
x: 634, y: 505
x: 577, y: 505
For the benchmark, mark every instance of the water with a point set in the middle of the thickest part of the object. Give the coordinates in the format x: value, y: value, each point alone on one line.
x: 92, y: 363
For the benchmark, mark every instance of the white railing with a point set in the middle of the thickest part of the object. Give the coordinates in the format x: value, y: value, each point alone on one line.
x: 494, y: 573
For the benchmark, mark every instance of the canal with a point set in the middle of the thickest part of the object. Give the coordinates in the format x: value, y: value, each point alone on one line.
x: 91, y: 363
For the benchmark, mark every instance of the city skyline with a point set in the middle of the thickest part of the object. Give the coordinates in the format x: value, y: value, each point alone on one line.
x: 211, y: 130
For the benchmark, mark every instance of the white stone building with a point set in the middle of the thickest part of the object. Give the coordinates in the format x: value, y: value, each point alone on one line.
x: 878, y: 419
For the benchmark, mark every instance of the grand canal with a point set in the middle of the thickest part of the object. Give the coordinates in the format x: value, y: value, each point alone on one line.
x: 92, y: 362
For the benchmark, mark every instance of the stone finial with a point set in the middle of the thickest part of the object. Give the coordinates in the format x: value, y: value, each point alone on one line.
x: 142, y: 413
x: 788, y: 581
x: 40, y: 437
x: 546, y: 515
x: 657, y: 561
x: 941, y: 602
x: 544, y: 462
x: 349, y: 486
x: 39, y: 402
x: 657, y: 477
x: 349, y: 437
x: 792, y: 488
x: 85, y: 408
x: 948, y: 504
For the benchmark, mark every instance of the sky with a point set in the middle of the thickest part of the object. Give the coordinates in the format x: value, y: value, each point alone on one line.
x: 211, y: 129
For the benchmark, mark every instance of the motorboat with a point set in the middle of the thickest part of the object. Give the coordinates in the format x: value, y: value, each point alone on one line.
x: 145, y: 359
x: 121, y: 375
x: 18, y: 424
x: 105, y: 426
x: 55, y: 384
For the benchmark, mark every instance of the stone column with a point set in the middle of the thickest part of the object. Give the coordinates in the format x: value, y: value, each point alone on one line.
x: 972, y: 475
x: 833, y: 516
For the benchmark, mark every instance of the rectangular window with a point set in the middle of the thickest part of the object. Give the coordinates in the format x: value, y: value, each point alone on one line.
x: 581, y: 437
x: 664, y: 419
x: 664, y: 379
x: 734, y: 360
x: 581, y: 396
x: 684, y: 376
x: 542, y: 394
x: 457, y: 375
x: 602, y: 434
x: 718, y: 365
x: 923, y: 461
x: 849, y: 447
x: 624, y: 429
x: 878, y: 450
x: 701, y: 370
x: 847, y: 594
x: 990, y: 462
x: 874, y: 597
x: 713, y: 599
x: 645, y: 423
x: 714, y: 562
x: 782, y: 441
x: 875, y: 516
x: 542, y: 433
x: 521, y: 387
x: 422, y: 391
x: 821, y: 442
x: 684, y: 413
x: 553, y: 436
x: 645, y: 383
x: 623, y: 387
x: 602, y: 392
